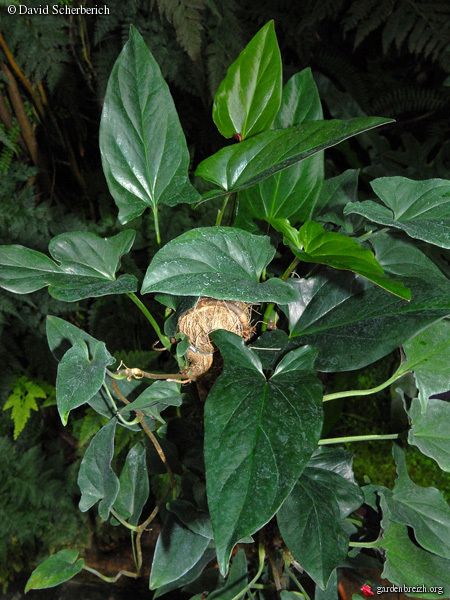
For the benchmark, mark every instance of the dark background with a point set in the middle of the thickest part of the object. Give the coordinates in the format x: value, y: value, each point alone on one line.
x: 377, y: 57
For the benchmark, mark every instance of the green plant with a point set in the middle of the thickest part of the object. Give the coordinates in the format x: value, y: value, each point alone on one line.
x: 349, y: 285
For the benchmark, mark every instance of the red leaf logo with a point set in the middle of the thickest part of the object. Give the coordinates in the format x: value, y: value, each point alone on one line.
x: 367, y: 591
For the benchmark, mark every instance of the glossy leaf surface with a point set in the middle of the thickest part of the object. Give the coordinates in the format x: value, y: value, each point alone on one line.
x: 82, y: 367
x: 430, y: 431
x: 56, y: 569
x: 144, y: 153
x: 422, y: 508
x: 81, y: 373
x: 190, y: 576
x: 155, y: 399
x: 236, y: 581
x: 329, y: 593
x: 177, y: 551
x: 408, y: 564
x: 240, y: 166
x: 419, y: 208
x: 248, y: 99
x: 134, y: 485
x: 313, y: 244
x: 259, y: 435
x: 428, y: 356
x: 195, y: 519
x: 219, y: 262
x: 310, y: 521
x: 96, y: 478
x: 84, y: 265
x: 338, y: 308
x: 291, y: 193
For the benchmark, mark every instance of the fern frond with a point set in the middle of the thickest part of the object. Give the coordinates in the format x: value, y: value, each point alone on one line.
x: 186, y: 16
x: 421, y: 27
x: 22, y: 401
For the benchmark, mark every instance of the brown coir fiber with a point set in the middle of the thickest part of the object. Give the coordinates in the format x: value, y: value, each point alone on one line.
x: 207, y: 316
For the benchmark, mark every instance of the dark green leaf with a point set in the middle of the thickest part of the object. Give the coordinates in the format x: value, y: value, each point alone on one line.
x: 62, y: 335
x: 259, y: 434
x: 427, y: 354
x: 423, y: 509
x: 82, y: 367
x: 313, y: 244
x: 240, y: 166
x: 81, y: 373
x: 331, y: 591
x: 408, y: 564
x: 270, y: 346
x: 291, y: 193
x: 86, y: 266
x: 353, y: 325
x: 219, y: 262
x: 419, y: 208
x: 403, y: 258
x: 191, y: 576
x: 335, y: 194
x: 154, y: 399
x: 144, y: 153
x: 134, y: 486
x: 335, y: 459
x: 96, y: 478
x: 310, y: 521
x: 430, y: 432
x: 196, y: 520
x: 56, y: 569
x: 177, y: 551
x: 248, y: 99
x: 236, y: 581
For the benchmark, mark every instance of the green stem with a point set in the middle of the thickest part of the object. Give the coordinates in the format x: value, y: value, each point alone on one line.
x: 268, y: 316
x: 156, y: 221
x: 221, y: 212
x: 133, y: 548
x: 112, y: 579
x: 290, y: 269
x: 270, y: 310
x: 151, y: 319
x: 374, y: 390
x: 116, y: 410
x: 298, y: 584
x: 371, y: 233
x: 261, y: 557
x: 373, y: 544
x: 123, y: 522
x: 358, y: 438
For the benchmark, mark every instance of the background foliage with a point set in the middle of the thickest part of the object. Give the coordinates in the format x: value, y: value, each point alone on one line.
x: 390, y: 58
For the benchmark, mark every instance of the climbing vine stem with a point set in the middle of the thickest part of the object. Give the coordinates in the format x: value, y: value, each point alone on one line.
x: 151, y: 319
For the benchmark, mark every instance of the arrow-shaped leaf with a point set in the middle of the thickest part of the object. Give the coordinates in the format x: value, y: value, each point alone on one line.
x: 144, y: 153
x: 240, y: 166
x: 259, y: 435
x: 84, y: 266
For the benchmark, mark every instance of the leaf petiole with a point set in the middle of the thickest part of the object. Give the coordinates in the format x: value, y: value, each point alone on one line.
x: 373, y: 544
x: 221, y: 212
x: 151, y: 319
x: 350, y: 393
x: 261, y: 557
x: 358, y: 438
x: 113, y: 578
x: 123, y: 522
